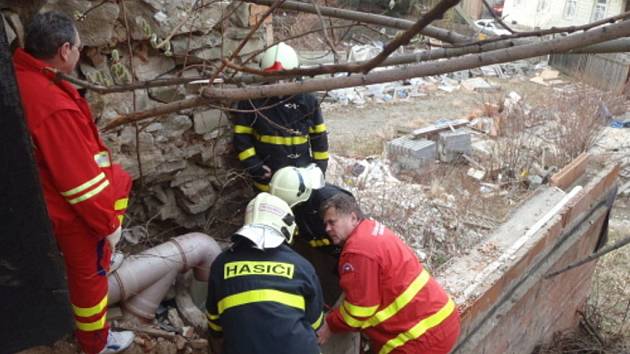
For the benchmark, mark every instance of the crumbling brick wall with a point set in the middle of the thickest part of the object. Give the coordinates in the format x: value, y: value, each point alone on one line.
x: 182, y: 164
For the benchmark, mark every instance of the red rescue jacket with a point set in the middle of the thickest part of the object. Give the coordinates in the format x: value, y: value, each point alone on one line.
x: 389, y: 296
x: 81, y: 185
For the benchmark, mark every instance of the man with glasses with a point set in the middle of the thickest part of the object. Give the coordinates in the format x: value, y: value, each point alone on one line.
x: 86, y: 194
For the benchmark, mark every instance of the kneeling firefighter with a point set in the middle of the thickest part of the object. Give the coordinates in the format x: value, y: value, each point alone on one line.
x: 305, y: 190
x: 263, y: 297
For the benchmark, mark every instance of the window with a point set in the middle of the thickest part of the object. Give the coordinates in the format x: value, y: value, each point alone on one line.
x: 570, y: 8
x: 599, y: 11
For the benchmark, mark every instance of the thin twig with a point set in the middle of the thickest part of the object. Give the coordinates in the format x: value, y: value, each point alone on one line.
x: 133, y: 93
x: 497, y: 18
x: 189, y: 13
x: 324, y: 30
x: 249, y: 35
x: 404, y: 38
x: 552, y: 30
x: 592, y: 257
x: 86, y: 12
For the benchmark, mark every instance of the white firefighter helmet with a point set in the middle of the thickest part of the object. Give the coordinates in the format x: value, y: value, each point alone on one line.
x: 295, y: 184
x: 279, y: 57
x: 269, y: 221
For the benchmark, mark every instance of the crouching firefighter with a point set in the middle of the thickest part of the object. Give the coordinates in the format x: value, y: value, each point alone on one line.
x: 305, y: 189
x: 263, y: 297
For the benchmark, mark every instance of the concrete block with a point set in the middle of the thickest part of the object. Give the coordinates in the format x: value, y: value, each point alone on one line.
x: 411, y: 154
x: 452, y: 144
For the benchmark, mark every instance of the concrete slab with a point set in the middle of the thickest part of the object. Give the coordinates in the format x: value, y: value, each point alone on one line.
x: 409, y: 154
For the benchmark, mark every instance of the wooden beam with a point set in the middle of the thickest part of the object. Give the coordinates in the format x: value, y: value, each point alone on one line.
x: 564, y: 178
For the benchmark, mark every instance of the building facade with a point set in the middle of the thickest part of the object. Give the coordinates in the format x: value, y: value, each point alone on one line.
x: 558, y: 13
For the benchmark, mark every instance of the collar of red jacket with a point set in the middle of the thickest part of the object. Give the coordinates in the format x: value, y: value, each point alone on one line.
x: 24, y: 61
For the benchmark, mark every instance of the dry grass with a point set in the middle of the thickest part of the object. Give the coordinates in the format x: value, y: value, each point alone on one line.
x: 551, y: 135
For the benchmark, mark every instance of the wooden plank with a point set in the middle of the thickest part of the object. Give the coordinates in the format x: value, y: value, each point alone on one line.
x: 571, y: 172
x: 433, y: 129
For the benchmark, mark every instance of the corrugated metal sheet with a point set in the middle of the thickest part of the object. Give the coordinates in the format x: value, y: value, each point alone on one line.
x: 605, y: 71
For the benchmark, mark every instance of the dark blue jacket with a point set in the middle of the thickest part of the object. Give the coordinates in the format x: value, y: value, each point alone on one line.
x: 264, y: 302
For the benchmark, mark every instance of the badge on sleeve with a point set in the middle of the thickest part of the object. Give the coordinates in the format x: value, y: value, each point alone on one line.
x: 346, y: 268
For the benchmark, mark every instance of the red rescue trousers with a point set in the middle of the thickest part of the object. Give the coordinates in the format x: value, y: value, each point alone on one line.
x: 87, y: 263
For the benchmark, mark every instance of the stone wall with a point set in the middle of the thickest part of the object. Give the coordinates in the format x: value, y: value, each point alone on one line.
x: 185, y: 173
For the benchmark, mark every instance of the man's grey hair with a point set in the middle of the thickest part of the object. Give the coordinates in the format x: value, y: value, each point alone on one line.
x: 344, y: 204
x: 47, y: 32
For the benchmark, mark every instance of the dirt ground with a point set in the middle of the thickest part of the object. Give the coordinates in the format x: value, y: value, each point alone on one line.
x: 359, y: 131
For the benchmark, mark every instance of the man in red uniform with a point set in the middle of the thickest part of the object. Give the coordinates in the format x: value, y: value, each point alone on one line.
x: 86, y: 195
x: 389, y: 296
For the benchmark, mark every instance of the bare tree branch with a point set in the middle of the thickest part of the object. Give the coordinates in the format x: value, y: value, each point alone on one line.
x: 431, y: 31
x: 404, y: 38
x: 555, y: 30
x: 497, y: 18
x: 592, y: 257
x: 190, y: 12
x: 612, y: 46
x: 253, y: 30
x: 558, y: 45
x: 133, y: 93
x: 597, y: 35
x: 157, y: 111
x: 325, y: 31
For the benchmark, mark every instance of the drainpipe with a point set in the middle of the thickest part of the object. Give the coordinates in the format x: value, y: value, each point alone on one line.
x: 143, y: 279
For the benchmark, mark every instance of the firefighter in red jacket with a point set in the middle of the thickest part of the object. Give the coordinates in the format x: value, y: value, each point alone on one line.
x: 389, y: 296
x: 86, y: 194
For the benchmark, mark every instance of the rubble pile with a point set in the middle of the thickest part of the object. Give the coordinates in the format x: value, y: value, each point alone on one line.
x: 428, y: 218
x: 180, y: 162
x: 471, y: 80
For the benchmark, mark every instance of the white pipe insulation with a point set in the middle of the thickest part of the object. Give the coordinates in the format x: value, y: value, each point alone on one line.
x: 143, y: 279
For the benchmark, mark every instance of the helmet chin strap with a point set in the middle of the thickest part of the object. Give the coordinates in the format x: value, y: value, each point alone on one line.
x: 302, y: 187
x: 288, y: 219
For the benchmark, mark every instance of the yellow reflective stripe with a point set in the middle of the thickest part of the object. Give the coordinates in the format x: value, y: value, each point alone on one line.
x: 283, y: 140
x: 121, y: 204
x: 252, y: 296
x: 90, y: 311
x: 84, y: 186
x: 321, y: 155
x: 120, y: 218
x: 401, y: 301
x: 215, y: 327
x: 244, y: 155
x: 420, y: 328
x: 90, y: 194
x: 91, y: 326
x: 319, y: 128
x: 318, y: 323
x: 212, y: 317
x: 262, y: 187
x: 319, y: 242
x: 348, y: 319
x: 243, y: 129
x: 360, y: 311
